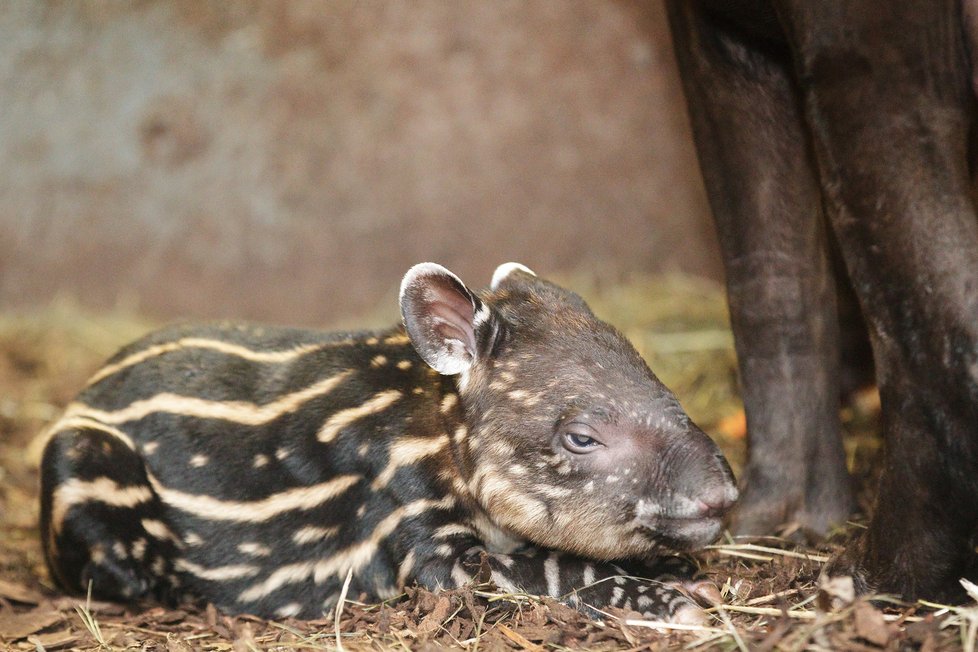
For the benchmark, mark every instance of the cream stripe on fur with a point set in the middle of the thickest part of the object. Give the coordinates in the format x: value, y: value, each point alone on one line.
x: 74, y: 420
x: 406, y: 451
x: 74, y: 492
x: 343, y: 418
x: 255, y: 511
x: 242, y: 412
x: 284, y: 355
x: 354, y: 556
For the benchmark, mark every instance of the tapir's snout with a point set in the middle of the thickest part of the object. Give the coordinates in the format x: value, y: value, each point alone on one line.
x: 718, y: 495
x: 696, y: 489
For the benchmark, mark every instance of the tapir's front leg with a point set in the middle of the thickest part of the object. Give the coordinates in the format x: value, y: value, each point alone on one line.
x: 889, y: 98
x: 659, y: 590
x: 763, y: 190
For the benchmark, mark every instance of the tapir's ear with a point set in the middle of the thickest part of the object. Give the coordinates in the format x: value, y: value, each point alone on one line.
x: 509, y: 272
x: 443, y: 318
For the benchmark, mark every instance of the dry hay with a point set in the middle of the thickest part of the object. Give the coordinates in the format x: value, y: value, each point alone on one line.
x: 770, y: 598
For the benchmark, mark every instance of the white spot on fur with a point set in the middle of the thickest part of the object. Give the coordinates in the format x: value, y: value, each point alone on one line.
x: 199, y: 460
x: 588, y: 574
x: 462, y: 382
x: 150, y: 447
x: 260, y: 461
x: 404, y: 365
x: 453, y: 529
x: 254, y: 549
x: 459, y: 576
x: 312, y: 534
x: 646, y: 510
x: 503, y: 582
x: 505, y: 270
x: 159, y: 530
x: 460, y: 433
x: 555, y: 492
x: 551, y: 571
x: 288, y: 610
x: 406, y: 568
x: 281, y: 454
x: 495, y: 538
x: 617, y: 595
x: 448, y: 403
x: 481, y: 316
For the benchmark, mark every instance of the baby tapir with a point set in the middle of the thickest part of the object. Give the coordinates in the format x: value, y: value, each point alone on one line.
x: 507, y: 432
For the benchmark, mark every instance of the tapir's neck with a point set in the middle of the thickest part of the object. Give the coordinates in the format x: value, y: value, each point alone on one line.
x: 436, y: 401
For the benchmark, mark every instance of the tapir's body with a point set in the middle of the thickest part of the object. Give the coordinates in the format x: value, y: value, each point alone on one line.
x: 257, y: 467
x: 247, y: 491
x: 863, y: 109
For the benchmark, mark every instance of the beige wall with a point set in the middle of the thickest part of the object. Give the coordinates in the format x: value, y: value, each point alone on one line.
x: 288, y: 160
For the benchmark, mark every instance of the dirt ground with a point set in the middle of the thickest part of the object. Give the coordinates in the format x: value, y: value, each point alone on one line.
x: 770, y: 601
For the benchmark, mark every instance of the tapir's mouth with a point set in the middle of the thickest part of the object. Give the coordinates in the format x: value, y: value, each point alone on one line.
x: 688, y: 533
x: 691, y: 532
x: 682, y: 523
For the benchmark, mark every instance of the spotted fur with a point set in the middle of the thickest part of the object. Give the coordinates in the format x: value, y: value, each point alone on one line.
x: 255, y: 467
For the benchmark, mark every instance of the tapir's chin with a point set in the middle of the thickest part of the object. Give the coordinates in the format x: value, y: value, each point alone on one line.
x: 684, y: 534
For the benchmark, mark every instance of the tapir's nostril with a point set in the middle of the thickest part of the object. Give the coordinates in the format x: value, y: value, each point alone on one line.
x: 717, y: 501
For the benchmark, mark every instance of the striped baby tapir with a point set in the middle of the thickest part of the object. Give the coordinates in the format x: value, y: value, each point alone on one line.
x: 506, y: 433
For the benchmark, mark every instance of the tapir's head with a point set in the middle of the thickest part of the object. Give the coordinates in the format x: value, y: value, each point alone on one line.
x: 574, y: 443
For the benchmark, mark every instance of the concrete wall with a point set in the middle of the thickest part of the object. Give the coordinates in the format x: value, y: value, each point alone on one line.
x: 288, y: 160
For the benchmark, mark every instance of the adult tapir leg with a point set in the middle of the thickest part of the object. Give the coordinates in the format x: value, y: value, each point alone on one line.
x: 887, y: 95
x: 762, y: 186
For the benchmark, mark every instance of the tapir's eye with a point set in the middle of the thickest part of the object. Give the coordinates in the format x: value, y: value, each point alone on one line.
x: 577, y: 438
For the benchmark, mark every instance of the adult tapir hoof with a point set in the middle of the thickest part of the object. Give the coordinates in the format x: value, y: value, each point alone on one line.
x: 797, y: 510
x: 897, y: 568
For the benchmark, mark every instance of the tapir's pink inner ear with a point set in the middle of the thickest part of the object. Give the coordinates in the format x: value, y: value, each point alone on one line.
x: 439, y: 315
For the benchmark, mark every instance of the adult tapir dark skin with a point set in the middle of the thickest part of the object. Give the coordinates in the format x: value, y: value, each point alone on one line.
x: 858, y: 112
